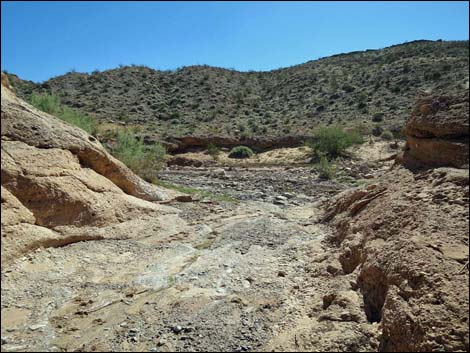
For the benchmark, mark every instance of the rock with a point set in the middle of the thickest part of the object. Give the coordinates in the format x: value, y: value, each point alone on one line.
x: 37, y: 327
x: 184, y: 161
x: 56, y: 175
x: 219, y: 173
x: 161, y: 342
x: 401, y: 251
x: 437, y: 132
x: 377, y: 131
x: 280, y: 202
x: 288, y: 195
x: 177, y: 329
x: 184, y: 198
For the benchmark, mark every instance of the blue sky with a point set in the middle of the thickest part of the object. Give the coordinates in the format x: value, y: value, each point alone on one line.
x: 45, y: 39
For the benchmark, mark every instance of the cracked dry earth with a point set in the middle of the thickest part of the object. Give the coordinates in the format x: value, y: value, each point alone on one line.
x: 240, y: 276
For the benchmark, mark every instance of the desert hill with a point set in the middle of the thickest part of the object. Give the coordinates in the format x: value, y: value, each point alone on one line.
x: 370, y: 88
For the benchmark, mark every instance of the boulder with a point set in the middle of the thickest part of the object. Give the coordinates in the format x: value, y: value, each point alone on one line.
x: 438, y: 132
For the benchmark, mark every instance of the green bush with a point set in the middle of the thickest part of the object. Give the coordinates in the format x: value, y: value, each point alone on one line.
x: 213, y: 151
x: 241, y: 152
x: 51, y: 105
x: 144, y: 160
x: 387, y: 135
x: 333, y: 141
x: 325, y: 168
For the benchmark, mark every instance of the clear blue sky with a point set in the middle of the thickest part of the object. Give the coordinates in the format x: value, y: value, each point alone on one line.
x: 45, y: 39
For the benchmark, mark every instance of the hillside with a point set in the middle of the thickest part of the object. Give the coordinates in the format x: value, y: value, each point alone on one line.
x: 368, y: 88
x: 96, y: 259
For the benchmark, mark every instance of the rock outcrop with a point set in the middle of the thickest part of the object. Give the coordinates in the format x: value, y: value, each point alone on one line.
x: 184, y: 143
x: 60, y: 186
x: 438, y: 132
x: 403, y: 241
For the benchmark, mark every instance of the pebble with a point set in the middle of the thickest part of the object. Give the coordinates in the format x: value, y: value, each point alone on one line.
x: 36, y: 327
x: 177, y: 329
x: 280, y: 202
x: 161, y: 342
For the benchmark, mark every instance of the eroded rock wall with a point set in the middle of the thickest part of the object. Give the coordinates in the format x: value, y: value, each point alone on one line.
x: 438, y: 132
x: 60, y: 186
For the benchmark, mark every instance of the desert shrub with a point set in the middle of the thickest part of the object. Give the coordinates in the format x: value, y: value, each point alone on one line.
x: 387, y: 135
x: 144, y: 160
x: 333, y: 141
x: 241, y: 152
x: 51, y: 104
x: 213, y: 151
x: 378, y: 117
x: 124, y: 117
x: 325, y: 168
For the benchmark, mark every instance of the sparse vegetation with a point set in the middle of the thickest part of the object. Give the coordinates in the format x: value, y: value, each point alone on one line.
x: 145, y: 160
x: 51, y: 105
x: 332, y: 141
x: 325, y: 168
x: 387, y: 135
x: 342, y: 89
x: 213, y: 151
x: 241, y: 152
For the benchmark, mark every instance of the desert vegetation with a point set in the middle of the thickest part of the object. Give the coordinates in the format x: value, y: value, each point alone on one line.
x: 51, y: 104
x: 332, y: 141
x: 144, y: 159
x: 373, y: 86
x: 241, y: 152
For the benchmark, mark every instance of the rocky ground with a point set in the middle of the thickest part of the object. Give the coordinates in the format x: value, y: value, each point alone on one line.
x: 233, y: 279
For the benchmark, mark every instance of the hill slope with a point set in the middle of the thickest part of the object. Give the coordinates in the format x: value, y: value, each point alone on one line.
x: 369, y: 87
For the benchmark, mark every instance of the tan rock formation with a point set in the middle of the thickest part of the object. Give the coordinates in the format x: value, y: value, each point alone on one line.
x: 60, y: 186
x: 438, y: 132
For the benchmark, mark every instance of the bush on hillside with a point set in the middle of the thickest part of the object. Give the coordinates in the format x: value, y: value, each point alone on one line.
x: 241, y: 152
x: 51, y: 104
